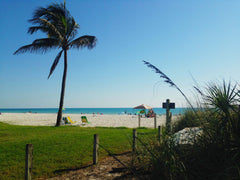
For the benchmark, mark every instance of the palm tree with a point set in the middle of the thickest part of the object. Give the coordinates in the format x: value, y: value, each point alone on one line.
x: 56, y: 21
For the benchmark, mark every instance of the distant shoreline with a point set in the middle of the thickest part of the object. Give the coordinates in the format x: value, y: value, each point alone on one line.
x: 113, y: 111
x: 96, y: 120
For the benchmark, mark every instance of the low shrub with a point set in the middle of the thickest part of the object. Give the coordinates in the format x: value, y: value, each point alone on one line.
x: 188, y: 119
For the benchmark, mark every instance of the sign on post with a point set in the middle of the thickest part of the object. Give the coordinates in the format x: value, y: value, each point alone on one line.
x: 168, y: 106
x: 171, y: 105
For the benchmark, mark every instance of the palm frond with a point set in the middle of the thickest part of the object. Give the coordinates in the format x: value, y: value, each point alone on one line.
x: 59, y: 9
x: 54, y: 17
x: 55, y: 63
x: 44, y: 29
x: 52, y: 28
x: 222, y: 97
x: 84, y: 41
x: 55, y: 20
x: 72, y: 28
x: 34, y: 29
x: 52, y: 12
x: 38, y: 13
x: 46, y: 42
x: 39, y: 45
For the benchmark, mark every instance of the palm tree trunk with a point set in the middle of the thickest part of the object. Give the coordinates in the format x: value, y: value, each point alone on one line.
x: 59, y: 116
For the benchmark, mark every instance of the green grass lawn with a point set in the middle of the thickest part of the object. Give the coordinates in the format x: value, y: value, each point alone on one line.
x: 56, y: 149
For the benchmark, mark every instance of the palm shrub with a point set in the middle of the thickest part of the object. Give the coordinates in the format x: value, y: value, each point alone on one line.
x: 223, y: 137
x: 221, y: 101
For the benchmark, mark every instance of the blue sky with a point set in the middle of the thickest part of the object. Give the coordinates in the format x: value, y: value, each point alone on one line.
x: 184, y: 39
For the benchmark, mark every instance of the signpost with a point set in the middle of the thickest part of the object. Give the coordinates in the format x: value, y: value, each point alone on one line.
x: 168, y: 106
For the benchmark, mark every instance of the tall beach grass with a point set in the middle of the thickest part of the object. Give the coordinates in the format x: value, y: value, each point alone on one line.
x: 215, y: 154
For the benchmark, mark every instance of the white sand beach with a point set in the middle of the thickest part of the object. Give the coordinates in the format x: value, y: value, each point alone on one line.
x: 39, y: 119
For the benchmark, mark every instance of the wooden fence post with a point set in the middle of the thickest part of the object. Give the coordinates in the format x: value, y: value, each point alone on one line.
x: 238, y: 112
x: 159, y: 134
x: 168, y: 118
x: 134, y: 140
x: 155, y: 121
x: 95, y: 148
x: 28, y: 162
x: 139, y: 120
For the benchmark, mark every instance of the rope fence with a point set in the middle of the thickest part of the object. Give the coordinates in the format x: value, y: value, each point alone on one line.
x: 95, y: 156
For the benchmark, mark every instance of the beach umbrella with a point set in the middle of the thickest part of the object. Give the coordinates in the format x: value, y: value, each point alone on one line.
x: 142, y: 106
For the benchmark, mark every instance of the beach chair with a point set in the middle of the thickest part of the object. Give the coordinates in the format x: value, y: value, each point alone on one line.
x: 69, y: 119
x: 84, y: 119
x: 65, y: 120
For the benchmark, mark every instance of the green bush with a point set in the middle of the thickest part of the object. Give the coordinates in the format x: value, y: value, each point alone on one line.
x: 188, y: 119
x: 216, y: 153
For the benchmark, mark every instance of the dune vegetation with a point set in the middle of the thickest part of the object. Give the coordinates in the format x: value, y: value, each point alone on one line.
x: 215, y: 154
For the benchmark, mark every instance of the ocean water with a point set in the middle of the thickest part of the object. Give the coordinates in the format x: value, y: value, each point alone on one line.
x: 159, y: 111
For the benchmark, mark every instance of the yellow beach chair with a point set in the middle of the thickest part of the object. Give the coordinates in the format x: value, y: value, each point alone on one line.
x: 69, y: 119
x: 84, y: 119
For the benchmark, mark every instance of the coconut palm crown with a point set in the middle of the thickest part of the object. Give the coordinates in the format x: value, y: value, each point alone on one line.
x: 56, y: 21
